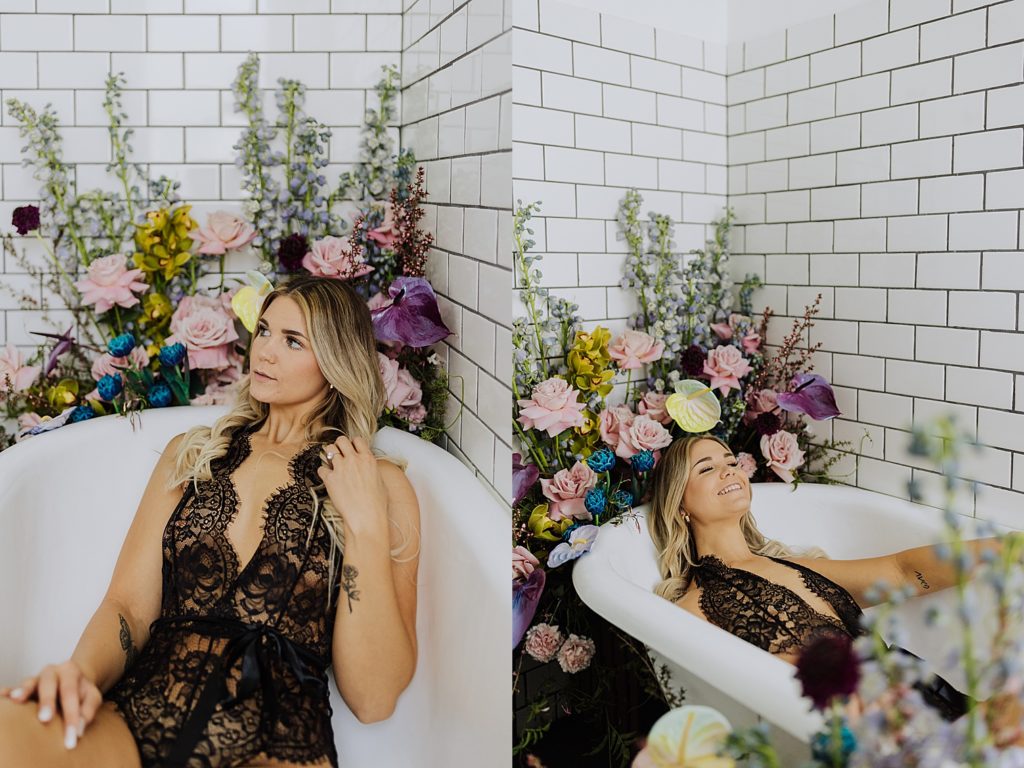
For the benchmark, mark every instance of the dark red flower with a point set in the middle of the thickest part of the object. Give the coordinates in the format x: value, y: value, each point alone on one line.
x: 692, y: 361
x: 828, y: 667
x: 767, y: 424
x: 25, y: 219
x: 291, y: 251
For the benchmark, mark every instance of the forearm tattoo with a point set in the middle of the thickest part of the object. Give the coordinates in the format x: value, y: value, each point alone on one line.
x: 348, y: 583
x: 920, y: 578
x: 129, y: 648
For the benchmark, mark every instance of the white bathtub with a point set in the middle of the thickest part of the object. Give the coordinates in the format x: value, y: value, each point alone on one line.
x: 67, y: 498
x: 747, y: 684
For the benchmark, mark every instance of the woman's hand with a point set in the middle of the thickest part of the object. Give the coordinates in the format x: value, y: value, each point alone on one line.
x: 355, y: 486
x: 80, y: 699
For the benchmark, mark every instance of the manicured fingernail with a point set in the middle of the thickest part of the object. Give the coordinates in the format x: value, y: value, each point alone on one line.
x: 16, y: 693
x: 45, y: 714
x: 81, y: 726
x: 70, y: 737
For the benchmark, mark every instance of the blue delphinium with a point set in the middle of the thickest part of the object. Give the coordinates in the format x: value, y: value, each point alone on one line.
x: 595, y: 501
x: 121, y: 346
x: 110, y: 386
x: 172, y: 354
x: 159, y: 395
x: 601, y: 460
x: 81, y: 413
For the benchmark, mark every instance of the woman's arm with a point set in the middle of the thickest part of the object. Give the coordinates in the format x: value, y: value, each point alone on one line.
x: 374, y: 643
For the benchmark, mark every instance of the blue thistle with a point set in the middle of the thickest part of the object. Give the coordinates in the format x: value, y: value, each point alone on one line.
x: 173, y: 354
x: 81, y: 413
x: 601, y: 460
x: 121, y: 346
x: 642, y: 461
x: 110, y: 386
x: 159, y: 395
x: 821, y: 746
x: 622, y: 499
x: 595, y: 501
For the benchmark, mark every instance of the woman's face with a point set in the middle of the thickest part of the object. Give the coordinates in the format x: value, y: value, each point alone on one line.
x: 711, y: 491
x: 281, y: 351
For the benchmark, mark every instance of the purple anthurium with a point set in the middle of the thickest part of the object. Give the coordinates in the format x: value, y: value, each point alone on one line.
x: 412, y: 316
x: 523, y: 478
x: 811, y: 395
x: 525, y: 596
x: 64, y: 343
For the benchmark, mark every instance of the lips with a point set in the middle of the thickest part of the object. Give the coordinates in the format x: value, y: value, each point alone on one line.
x: 730, y: 488
x: 260, y: 373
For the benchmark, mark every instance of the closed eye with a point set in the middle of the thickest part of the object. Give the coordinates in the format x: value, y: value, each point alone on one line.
x: 263, y: 328
x: 708, y: 469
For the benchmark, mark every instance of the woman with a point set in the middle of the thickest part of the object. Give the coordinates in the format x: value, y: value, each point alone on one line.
x: 715, y: 563
x: 224, y: 611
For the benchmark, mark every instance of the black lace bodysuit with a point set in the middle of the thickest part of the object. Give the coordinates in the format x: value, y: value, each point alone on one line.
x: 236, y: 665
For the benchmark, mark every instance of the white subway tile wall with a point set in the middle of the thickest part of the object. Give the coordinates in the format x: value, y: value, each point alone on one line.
x: 179, y: 58
x: 888, y: 179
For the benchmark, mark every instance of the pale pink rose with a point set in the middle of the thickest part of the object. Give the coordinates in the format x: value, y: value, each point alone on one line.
x: 653, y: 404
x: 543, y: 641
x: 783, y: 453
x: 751, y: 343
x: 104, y: 364
x: 725, y: 365
x: 634, y: 349
x: 332, y: 257
x: 747, y: 463
x: 225, y: 301
x: 644, y: 434
x: 385, y: 234
x: 12, y: 365
x: 109, y: 282
x: 575, y: 654
x: 722, y: 330
x: 206, y: 330
x: 552, y: 406
x: 217, y: 393
x: 566, y: 491
x: 414, y: 415
x: 523, y: 562
x: 223, y: 232
x: 613, y: 421
x: 412, y: 403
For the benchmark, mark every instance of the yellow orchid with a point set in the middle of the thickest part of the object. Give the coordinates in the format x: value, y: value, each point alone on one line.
x: 163, y: 242
x: 543, y: 527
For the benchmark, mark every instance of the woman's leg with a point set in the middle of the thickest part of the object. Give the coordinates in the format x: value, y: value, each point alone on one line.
x: 25, y: 742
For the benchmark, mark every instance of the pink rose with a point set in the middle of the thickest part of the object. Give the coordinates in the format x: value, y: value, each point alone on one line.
x: 566, y: 491
x: 783, y: 453
x: 335, y: 257
x: 12, y: 365
x: 104, y: 364
x: 414, y: 392
x: 225, y: 300
x: 762, y: 401
x: 414, y: 415
x: 613, y: 421
x: 385, y: 234
x: 109, y: 282
x: 575, y: 654
x: 644, y: 434
x: 634, y: 349
x: 543, y: 641
x: 401, y: 390
x: 552, y: 406
x: 523, y: 562
x: 751, y: 343
x: 747, y: 463
x: 653, y: 404
x: 206, y: 330
x: 223, y: 232
x: 725, y: 365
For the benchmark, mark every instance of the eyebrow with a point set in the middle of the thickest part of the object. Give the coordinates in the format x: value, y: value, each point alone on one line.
x: 284, y: 330
x: 708, y: 458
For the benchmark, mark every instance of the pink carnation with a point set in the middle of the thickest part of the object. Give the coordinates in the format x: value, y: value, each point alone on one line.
x: 644, y: 434
x: 575, y: 654
x: 223, y: 232
x: 634, y: 349
x: 783, y: 453
x: 206, y: 330
x: 613, y: 421
x: 747, y: 463
x: 566, y: 490
x: 109, y: 282
x: 333, y: 257
x: 653, y: 404
x: 523, y: 562
x: 553, y: 406
x: 725, y: 365
x: 12, y: 365
x: 104, y: 364
x: 543, y: 641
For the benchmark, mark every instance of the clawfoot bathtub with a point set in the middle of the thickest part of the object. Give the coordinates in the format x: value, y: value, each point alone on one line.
x: 67, y: 498
x: 746, y: 684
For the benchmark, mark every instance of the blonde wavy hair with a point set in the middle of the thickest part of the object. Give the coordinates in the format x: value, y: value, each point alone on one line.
x: 341, y: 338
x: 677, y: 550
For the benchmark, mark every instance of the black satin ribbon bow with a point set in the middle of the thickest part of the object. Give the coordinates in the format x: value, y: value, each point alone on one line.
x: 262, y: 650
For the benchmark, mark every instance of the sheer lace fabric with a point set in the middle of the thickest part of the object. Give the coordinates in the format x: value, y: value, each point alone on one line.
x: 236, y: 665
x: 771, y: 616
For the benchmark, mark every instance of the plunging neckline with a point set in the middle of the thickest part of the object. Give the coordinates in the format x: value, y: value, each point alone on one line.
x: 244, y: 449
x: 834, y: 619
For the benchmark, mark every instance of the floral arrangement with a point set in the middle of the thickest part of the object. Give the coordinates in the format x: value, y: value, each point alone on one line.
x: 153, y: 323
x: 585, y: 459
x: 874, y: 710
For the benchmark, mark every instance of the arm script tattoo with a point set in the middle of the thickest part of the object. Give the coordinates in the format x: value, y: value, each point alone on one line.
x: 131, y: 652
x: 348, y: 583
x: 920, y: 578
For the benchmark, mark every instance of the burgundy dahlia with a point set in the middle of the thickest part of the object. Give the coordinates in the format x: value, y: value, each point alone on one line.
x: 291, y: 251
x: 828, y: 667
x: 25, y: 219
x: 693, y: 360
x: 767, y: 424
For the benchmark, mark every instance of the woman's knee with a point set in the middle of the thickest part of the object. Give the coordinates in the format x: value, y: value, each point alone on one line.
x: 23, y: 737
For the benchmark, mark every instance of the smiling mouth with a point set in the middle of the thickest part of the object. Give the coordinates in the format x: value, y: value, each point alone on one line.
x: 730, y: 488
x: 263, y: 375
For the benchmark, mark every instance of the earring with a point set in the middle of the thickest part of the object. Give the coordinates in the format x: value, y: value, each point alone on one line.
x: 686, y: 518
